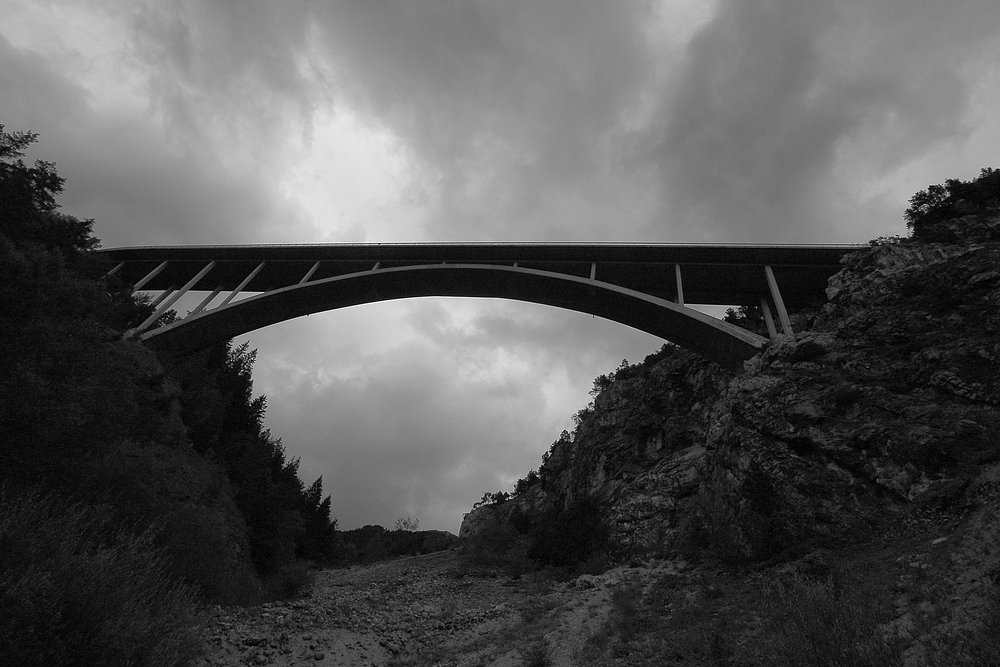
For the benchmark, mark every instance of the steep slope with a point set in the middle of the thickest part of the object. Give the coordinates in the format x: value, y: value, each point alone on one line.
x: 887, y: 399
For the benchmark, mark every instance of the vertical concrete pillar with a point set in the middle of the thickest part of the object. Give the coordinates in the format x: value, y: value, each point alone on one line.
x: 768, y: 320
x: 680, y: 285
x: 779, y: 303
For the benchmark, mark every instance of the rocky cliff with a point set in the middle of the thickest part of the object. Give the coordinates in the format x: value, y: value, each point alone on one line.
x: 885, y: 404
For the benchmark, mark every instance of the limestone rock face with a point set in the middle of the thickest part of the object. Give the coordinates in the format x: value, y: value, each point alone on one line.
x: 889, y: 395
x: 499, y: 514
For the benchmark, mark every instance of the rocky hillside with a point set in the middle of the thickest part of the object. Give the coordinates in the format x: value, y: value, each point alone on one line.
x: 887, y: 399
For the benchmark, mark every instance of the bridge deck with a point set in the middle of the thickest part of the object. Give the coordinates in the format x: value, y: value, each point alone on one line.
x: 711, y: 274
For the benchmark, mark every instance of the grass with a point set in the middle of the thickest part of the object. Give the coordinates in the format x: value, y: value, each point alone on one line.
x: 76, y: 588
x: 537, y: 655
x: 836, y: 622
x: 629, y: 617
x: 289, y: 582
x: 712, y: 619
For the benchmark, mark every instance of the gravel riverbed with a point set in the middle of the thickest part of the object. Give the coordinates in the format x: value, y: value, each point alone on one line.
x: 425, y: 610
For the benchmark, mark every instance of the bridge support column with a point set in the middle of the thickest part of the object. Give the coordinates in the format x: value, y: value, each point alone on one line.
x: 208, y: 300
x: 765, y: 309
x: 242, y: 284
x: 114, y: 270
x: 165, y: 294
x: 149, y: 276
x: 177, y: 295
x: 680, y: 285
x: 779, y: 303
x: 309, y: 274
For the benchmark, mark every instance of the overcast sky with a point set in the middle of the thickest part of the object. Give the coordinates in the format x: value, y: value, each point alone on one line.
x: 676, y: 121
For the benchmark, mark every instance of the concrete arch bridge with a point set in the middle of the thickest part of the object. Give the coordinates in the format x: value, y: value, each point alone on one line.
x: 645, y: 286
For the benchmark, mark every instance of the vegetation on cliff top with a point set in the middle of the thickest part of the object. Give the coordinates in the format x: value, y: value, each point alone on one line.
x: 932, y: 209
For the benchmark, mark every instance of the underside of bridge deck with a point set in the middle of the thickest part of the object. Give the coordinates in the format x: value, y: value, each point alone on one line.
x: 645, y: 286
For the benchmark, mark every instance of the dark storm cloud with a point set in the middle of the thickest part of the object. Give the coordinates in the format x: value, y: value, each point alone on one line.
x: 517, y: 104
x: 771, y: 89
x: 231, y: 66
x: 538, y: 120
x: 515, y: 109
x: 120, y: 169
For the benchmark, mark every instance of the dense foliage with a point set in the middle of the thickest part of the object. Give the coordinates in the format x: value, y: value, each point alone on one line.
x: 75, y: 588
x: 954, y: 199
x: 28, y: 209
x: 225, y: 424
x: 170, y: 453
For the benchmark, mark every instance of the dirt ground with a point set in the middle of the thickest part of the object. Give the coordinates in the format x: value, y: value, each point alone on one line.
x: 423, y: 610
x: 931, y: 581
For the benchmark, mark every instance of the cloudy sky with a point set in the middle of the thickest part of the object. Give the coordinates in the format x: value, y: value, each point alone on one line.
x: 676, y: 121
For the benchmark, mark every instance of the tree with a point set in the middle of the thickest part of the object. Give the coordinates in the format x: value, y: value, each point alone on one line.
x: 407, y: 524
x: 317, y: 541
x: 28, y: 200
x: 226, y: 424
x: 750, y: 318
x: 526, y: 482
x: 940, y: 203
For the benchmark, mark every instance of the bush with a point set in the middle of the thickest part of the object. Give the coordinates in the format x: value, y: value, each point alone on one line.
x: 738, y: 521
x: 569, y: 537
x: 495, y: 548
x: 940, y: 203
x: 537, y: 655
x: 750, y: 318
x: 630, y: 618
x: 837, y: 622
x: 290, y: 581
x: 75, y: 588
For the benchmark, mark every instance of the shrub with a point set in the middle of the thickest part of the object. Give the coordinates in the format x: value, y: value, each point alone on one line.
x: 75, y: 588
x: 289, y: 582
x: 537, y: 655
x: 738, y: 521
x: 627, y: 616
x: 527, y: 482
x: 567, y: 537
x: 629, y: 619
x: 497, y: 547
x: 750, y: 318
x: 837, y: 622
x: 940, y: 203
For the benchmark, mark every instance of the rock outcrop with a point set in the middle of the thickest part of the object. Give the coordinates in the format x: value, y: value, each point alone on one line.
x: 888, y: 398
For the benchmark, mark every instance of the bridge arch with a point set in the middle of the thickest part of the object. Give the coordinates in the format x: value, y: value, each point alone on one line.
x: 719, y: 341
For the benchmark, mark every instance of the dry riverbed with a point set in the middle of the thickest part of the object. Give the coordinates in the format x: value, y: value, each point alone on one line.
x: 426, y: 610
